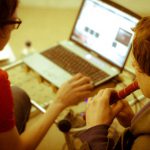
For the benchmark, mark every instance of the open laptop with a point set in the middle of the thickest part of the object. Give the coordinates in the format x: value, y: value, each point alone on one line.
x: 101, y: 35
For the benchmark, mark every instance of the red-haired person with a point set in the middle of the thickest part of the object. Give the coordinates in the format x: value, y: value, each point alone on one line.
x: 100, y: 114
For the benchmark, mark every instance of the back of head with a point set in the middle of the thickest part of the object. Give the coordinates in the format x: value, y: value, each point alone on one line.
x: 141, y: 44
x: 7, y: 9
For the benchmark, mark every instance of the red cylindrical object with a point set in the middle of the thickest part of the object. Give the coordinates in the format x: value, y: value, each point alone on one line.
x: 121, y: 94
x: 124, y: 92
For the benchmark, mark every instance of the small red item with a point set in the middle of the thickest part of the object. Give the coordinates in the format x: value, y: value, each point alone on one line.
x: 124, y: 92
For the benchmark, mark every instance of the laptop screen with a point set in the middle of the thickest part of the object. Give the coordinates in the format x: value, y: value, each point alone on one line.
x: 105, y: 29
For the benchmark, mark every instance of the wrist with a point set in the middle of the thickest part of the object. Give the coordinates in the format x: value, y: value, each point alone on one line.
x: 59, y: 105
x: 56, y: 108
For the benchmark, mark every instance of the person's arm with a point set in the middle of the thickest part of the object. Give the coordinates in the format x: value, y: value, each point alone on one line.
x: 99, y: 116
x: 95, y: 137
x: 31, y: 137
x: 70, y: 93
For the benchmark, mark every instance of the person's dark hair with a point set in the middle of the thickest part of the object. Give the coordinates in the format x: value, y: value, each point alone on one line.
x: 141, y: 44
x: 7, y: 9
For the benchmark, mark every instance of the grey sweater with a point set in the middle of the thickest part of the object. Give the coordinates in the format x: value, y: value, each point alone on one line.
x: 136, y: 137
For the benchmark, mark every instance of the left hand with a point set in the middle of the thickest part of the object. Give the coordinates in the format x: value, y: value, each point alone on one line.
x: 75, y: 90
x: 125, y: 115
x: 99, y: 111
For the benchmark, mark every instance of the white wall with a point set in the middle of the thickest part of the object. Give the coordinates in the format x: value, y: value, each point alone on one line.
x: 139, y: 6
x: 52, y: 3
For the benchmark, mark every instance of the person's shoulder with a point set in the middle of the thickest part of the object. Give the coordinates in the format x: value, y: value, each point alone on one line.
x: 141, y: 142
x: 3, y: 74
x: 140, y: 124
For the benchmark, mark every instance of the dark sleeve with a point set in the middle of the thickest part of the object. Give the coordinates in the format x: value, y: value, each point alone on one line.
x: 96, y: 137
x: 7, y: 120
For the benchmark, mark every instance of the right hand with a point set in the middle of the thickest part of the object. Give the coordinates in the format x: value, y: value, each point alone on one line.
x: 75, y: 90
x: 126, y: 114
x: 99, y: 111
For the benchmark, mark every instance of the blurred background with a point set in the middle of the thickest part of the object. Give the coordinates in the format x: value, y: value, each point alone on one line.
x: 45, y: 22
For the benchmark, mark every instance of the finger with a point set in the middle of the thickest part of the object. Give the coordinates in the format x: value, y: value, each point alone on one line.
x: 100, y: 92
x: 76, y: 77
x: 85, y: 94
x: 117, y: 108
x: 126, y: 106
x: 105, y: 97
x: 121, y: 115
x: 98, y: 96
x: 82, y: 95
x: 101, y: 97
x: 85, y: 87
x: 81, y: 81
x: 117, y: 103
x: 89, y: 101
x: 125, y: 103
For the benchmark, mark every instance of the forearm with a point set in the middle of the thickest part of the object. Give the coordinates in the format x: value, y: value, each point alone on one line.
x: 96, y: 137
x: 33, y: 136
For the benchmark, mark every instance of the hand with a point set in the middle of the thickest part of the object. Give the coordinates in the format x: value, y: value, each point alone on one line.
x: 99, y: 111
x: 126, y: 114
x: 75, y: 90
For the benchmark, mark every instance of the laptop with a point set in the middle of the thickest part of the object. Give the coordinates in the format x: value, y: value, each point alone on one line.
x: 102, y: 37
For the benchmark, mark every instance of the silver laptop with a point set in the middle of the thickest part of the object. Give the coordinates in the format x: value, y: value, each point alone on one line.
x: 101, y: 38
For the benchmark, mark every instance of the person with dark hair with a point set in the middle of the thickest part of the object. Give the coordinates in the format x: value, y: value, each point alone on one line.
x: 15, y: 103
x: 100, y: 115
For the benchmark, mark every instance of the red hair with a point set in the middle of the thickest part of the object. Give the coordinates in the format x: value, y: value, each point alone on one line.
x: 141, y: 44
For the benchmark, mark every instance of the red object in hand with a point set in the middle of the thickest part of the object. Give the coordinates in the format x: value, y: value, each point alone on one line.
x: 124, y: 92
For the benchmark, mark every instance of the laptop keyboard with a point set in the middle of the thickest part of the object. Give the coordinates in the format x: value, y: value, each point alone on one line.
x: 73, y: 63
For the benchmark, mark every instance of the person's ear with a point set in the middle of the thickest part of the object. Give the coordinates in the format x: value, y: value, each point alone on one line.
x: 139, y: 69
x: 136, y: 66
